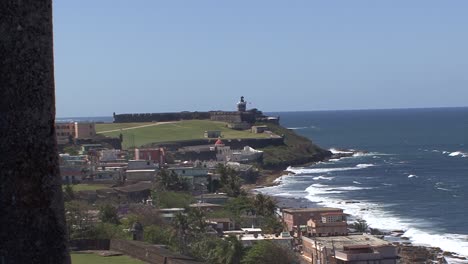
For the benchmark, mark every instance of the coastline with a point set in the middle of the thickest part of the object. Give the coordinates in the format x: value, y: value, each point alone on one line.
x: 409, y: 252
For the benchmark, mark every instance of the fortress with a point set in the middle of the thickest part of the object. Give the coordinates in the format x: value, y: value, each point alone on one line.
x: 240, y: 119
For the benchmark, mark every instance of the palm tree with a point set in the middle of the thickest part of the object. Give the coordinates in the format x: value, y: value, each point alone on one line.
x: 230, y: 251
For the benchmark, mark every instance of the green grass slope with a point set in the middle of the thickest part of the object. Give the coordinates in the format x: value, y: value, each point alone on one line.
x: 297, y: 150
x: 139, y: 134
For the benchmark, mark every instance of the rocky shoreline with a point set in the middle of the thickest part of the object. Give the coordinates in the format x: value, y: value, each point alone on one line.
x: 409, y: 253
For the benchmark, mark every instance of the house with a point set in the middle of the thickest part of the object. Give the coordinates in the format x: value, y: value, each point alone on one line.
x: 213, y: 198
x: 220, y: 224
x: 196, y: 177
x: 329, y: 224
x: 296, y: 217
x: 355, y: 249
x: 136, y: 192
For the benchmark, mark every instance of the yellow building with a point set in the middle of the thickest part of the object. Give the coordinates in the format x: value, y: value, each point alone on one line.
x: 74, y: 130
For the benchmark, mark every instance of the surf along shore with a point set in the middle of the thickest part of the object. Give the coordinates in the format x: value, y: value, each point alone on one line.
x: 408, y: 252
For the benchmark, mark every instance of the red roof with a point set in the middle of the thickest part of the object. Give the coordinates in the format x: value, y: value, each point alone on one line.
x: 219, y: 142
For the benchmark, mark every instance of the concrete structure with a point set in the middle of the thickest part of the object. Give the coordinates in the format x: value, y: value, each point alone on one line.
x: 212, y: 134
x: 74, y: 130
x: 259, y: 129
x: 168, y: 214
x: 284, y: 239
x: 213, y: 198
x: 220, y: 224
x: 207, y: 207
x: 31, y: 204
x: 141, y: 175
x: 142, y: 165
x: 329, y: 224
x: 295, y: 217
x: 355, y: 249
x: 107, y: 155
x: 247, y: 154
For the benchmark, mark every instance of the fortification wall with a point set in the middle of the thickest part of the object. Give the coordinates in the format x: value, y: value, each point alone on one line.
x: 159, y: 117
x: 233, y: 143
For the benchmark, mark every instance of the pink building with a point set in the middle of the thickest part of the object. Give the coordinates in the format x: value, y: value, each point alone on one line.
x: 157, y: 155
x: 329, y: 224
x: 296, y: 217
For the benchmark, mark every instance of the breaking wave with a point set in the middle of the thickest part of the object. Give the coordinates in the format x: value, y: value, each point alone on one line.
x: 302, y: 170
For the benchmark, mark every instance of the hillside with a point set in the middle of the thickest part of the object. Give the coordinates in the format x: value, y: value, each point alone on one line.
x: 297, y: 150
x: 138, y: 134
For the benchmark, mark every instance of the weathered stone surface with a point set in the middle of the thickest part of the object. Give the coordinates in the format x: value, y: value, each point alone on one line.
x: 31, y: 206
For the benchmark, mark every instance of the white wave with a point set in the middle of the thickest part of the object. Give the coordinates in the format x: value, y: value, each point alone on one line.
x: 387, y: 184
x: 302, y: 170
x: 318, y: 185
x: 377, y: 217
x: 322, y: 178
x: 365, y: 165
x: 356, y: 182
x: 448, y: 242
x: 296, y: 128
x: 337, y: 151
x: 456, y: 153
x: 412, y: 176
x: 333, y: 160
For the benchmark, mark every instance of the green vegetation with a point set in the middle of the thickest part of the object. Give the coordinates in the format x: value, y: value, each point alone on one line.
x: 86, y: 187
x: 297, y: 150
x: 266, y: 252
x: 146, y: 133
x: 89, y: 258
x: 165, y: 199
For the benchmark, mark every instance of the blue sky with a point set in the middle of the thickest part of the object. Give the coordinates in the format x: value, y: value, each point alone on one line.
x: 162, y: 56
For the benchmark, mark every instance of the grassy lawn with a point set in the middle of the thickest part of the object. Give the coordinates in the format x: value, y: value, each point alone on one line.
x: 89, y: 258
x: 112, y: 126
x: 182, y: 130
x: 87, y: 187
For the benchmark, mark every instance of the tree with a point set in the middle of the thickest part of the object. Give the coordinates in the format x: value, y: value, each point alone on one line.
x: 264, y: 205
x: 78, y: 219
x: 266, y: 252
x: 108, y: 214
x: 229, y: 180
x: 360, y: 226
x: 181, y: 226
x: 68, y: 193
x: 170, y: 181
x: 156, y: 234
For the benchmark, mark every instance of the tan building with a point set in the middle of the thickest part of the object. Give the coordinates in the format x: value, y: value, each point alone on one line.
x: 296, y: 217
x: 355, y: 249
x: 329, y: 224
x: 74, y: 130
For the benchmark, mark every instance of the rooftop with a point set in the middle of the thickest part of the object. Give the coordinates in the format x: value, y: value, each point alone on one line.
x: 311, y: 210
x: 350, y: 241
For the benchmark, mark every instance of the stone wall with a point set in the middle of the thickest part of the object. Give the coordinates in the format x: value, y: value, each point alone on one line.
x: 159, y: 117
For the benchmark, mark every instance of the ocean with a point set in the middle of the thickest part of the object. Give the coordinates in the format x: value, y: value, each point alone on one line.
x: 412, y: 174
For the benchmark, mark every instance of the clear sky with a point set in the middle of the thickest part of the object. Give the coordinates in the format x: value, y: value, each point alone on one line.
x: 290, y: 55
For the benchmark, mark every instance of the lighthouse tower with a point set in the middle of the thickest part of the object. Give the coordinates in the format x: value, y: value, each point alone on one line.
x: 242, y: 105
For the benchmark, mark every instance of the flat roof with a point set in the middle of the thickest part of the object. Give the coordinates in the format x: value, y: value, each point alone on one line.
x: 204, y: 205
x: 311, y: 210
x: 349, y: 241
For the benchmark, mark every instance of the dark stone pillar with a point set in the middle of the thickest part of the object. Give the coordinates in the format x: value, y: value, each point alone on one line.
x: 32, y: 222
